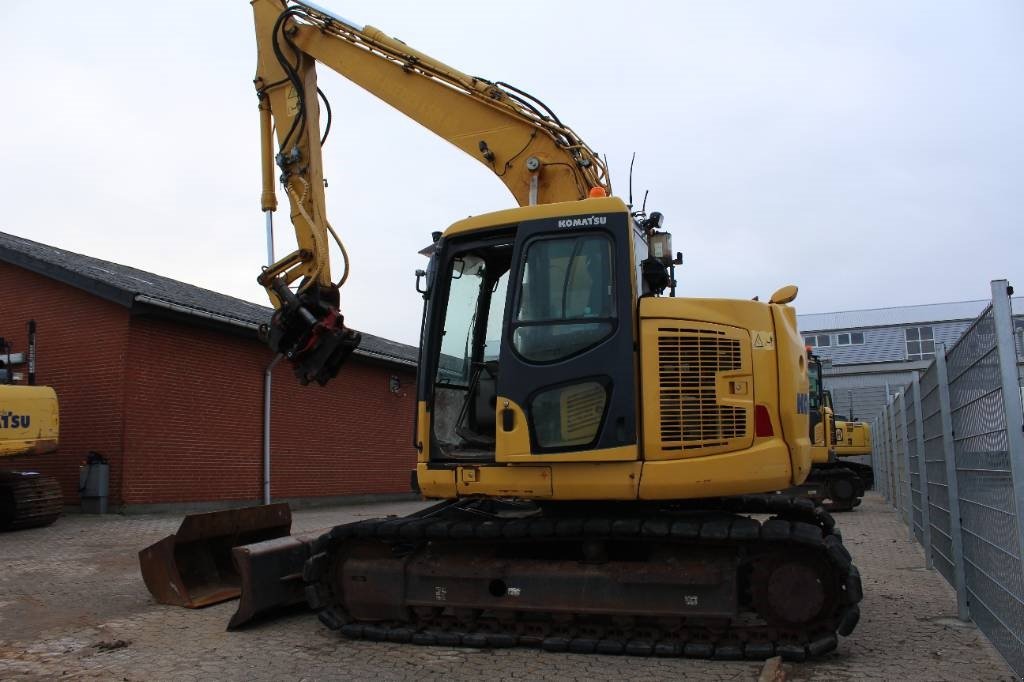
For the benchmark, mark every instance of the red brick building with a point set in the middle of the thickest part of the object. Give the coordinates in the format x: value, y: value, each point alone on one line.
x: 166, y: 380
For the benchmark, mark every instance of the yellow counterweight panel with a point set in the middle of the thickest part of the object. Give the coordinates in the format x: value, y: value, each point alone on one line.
x: 763, y: 467
x: 856, y: 439
x: 29, y: 420
x: 792, y: 362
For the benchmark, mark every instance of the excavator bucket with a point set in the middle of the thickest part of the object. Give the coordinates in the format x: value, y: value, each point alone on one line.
x: 271, y: 574
x: 193, y: 567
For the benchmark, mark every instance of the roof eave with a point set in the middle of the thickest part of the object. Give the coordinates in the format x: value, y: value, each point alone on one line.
x: 149, y: 304
x: 61, y: 274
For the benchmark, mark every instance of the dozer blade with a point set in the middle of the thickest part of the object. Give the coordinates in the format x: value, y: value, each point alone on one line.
x: 193, y: 567
x: 271, y: 574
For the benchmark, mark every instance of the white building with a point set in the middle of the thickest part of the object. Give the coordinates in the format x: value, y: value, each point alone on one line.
x: 865, y: 351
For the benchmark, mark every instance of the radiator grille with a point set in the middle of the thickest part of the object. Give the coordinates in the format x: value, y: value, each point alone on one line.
x: 689, y: 361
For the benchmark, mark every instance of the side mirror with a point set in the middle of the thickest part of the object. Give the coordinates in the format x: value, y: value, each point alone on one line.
x: 786, y: 294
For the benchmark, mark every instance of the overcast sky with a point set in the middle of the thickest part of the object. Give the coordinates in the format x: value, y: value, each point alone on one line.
x: 870, y: 152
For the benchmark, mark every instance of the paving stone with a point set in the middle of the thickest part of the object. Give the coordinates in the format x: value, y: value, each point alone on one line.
x: 68, y: 587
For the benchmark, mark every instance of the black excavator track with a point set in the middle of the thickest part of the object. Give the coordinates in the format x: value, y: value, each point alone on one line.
x: 28, y: 500
x: 708, y: 582
x: 863, y: 471
x: 835, y: 486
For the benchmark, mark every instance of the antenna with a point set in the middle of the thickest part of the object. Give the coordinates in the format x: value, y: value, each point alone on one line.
x: 631, y: 162
x: 643, y: 209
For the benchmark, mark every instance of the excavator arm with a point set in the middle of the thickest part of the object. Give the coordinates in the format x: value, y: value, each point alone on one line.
x: 519, y: 139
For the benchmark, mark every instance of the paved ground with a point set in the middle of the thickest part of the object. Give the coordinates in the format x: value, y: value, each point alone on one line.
x: 72, y: 605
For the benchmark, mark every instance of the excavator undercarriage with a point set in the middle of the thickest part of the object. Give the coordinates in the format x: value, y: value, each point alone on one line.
x: 28, y: 500
x: 835, y: 486
x: 705, y: 581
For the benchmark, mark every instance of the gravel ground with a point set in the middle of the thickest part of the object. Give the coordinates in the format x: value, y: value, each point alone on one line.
x: 72, y: 605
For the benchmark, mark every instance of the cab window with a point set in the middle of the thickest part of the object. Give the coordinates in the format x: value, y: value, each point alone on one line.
x: 566, y: 299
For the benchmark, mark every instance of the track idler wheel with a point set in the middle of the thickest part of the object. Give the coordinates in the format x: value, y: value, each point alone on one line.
x: 795, y: 590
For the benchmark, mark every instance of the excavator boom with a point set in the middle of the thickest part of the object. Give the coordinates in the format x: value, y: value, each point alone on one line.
x: 536, y: 156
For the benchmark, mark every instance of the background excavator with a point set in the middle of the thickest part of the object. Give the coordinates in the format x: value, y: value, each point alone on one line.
x: 853, y: 439
x: 589, y: 439
x: 831, y: 482
x: 29, y: 425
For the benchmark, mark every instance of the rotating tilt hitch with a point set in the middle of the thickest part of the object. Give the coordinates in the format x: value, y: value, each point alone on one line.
x: 310, y: 332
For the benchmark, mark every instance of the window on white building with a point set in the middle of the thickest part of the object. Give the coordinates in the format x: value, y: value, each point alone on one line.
x: 850, y: 339
x: 818, y: 340
x: 920, y: 343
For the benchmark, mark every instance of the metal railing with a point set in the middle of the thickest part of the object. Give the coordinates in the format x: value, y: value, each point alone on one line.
x: 950, y: 458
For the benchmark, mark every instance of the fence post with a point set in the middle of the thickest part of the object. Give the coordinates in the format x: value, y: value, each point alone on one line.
x: 1007, y: 350
x: 893, y: 471
x: 908, y: 510
x: 922, y: 470
x: 953, y: 487
x: 883, y: 439
x: 878, y: 457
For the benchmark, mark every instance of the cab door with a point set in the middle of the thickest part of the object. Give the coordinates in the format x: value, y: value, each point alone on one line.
x: 567, y: 381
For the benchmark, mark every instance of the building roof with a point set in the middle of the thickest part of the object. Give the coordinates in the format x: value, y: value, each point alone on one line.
x: 898, y: 315
x: 131, y: 287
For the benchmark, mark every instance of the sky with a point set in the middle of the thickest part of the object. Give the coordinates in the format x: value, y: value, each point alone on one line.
x: 871, y: 152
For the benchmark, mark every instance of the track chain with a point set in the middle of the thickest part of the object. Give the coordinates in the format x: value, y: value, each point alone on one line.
x: 793, y: 522
x: 28, y: 500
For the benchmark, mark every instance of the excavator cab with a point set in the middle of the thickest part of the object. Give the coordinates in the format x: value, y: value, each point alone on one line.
x: 537, y: 314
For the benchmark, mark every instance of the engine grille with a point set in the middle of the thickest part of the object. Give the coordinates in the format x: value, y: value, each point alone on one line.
x: 689, y: 361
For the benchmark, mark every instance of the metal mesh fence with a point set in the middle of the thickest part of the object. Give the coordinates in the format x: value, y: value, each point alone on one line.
x: 913, y: 467
x: 952, y: 461
x: 878, y: 456
x: 991, y: 538
x: 899, y: 424
x: 935, y: 475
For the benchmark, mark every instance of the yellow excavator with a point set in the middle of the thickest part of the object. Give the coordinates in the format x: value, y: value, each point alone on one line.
x: 29, y: 425
x: 853, y: 439
x: 831, y: 482
x: 599, y: 450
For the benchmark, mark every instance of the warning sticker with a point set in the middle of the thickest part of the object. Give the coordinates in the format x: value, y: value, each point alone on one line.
x: 764, y: 340
x: 293, y: 101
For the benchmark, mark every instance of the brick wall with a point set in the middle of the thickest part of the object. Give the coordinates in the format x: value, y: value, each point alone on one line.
x: 365, y: 433
x: 81, y: 343
x: 194, y: 422
x: 178, y: 409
